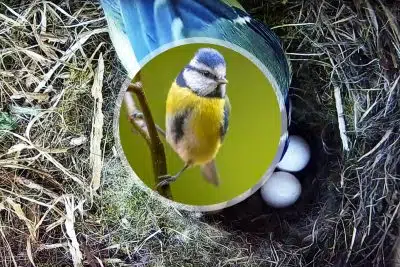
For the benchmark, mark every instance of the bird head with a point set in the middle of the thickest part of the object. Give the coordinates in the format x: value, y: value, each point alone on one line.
x: 206, y: 73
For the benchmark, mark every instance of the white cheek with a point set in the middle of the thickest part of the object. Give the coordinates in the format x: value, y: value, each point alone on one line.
x: 207, y: 87
x: 199, y: 83
x: 193, y: 79
x: 221, y: 70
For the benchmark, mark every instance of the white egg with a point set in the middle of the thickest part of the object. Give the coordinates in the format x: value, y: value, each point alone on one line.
x: 281, y: 190
x: 297, y: 155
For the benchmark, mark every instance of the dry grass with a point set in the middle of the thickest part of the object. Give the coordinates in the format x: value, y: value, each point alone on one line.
x: 349, y: 49
x: 49, y: 54
x: 52, y: 84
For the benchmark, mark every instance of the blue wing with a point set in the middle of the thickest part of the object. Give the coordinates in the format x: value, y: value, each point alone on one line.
x: 150, y: 24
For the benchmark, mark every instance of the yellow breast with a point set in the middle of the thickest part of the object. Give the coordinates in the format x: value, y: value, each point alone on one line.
x: 201, y: 140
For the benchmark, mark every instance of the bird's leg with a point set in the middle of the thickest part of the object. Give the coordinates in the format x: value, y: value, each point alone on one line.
x: 167, y: 179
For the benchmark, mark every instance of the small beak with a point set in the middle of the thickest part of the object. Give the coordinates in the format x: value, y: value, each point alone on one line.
x: 222, y: 81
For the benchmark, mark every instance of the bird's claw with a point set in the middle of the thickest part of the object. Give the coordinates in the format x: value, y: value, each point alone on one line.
x: 166, y: 180
x: 137, y: 115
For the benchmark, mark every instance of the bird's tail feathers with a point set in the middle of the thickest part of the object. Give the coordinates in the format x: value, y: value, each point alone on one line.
x: 210, y: 172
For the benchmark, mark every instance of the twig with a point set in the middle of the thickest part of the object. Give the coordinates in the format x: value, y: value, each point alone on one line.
x: 138, y: 123
x: 342, y: 125
x: 29, y: 184
x: 96, y: 136
x: 69, y: 224
x: 292, y: 25
x: 149, y: 132
x: 384, y: 138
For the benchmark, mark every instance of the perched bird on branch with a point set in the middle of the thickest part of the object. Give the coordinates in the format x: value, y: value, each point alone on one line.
x: 197, y: 113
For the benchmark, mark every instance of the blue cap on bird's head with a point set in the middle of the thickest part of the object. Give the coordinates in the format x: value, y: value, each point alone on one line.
x: 209, y: 57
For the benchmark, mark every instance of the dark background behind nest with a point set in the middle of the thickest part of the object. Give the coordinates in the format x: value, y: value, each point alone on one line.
x: 344, y: 212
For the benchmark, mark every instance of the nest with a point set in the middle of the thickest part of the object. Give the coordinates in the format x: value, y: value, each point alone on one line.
x: 59, y: 79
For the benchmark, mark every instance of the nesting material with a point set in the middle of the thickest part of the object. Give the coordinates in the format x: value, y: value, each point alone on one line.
x: 347, y: 212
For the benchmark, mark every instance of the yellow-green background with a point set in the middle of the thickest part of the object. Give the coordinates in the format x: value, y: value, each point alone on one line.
x: 250, y: 144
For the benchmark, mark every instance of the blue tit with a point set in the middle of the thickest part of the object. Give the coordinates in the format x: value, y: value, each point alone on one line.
x: 197, y: 113
x: 139, y: 27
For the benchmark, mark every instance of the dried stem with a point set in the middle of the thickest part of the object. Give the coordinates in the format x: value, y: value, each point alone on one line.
x: 341, y: 122
x: 148, y: 130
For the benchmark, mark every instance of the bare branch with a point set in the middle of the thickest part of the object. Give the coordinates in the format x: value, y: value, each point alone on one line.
x: 149, y: 131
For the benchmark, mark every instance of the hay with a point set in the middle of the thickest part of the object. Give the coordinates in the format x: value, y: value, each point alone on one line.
x: 348, y: 48
x: 49, y: 63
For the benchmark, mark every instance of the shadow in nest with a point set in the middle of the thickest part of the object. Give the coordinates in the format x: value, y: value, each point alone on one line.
x: 292, y: 225
x: 255, y: 217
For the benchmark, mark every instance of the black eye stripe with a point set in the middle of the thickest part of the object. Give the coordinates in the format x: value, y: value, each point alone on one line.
x: 203, y: 72
x: 206, y: 73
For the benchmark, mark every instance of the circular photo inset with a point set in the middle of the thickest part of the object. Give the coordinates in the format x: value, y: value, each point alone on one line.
x: 202, y: 125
